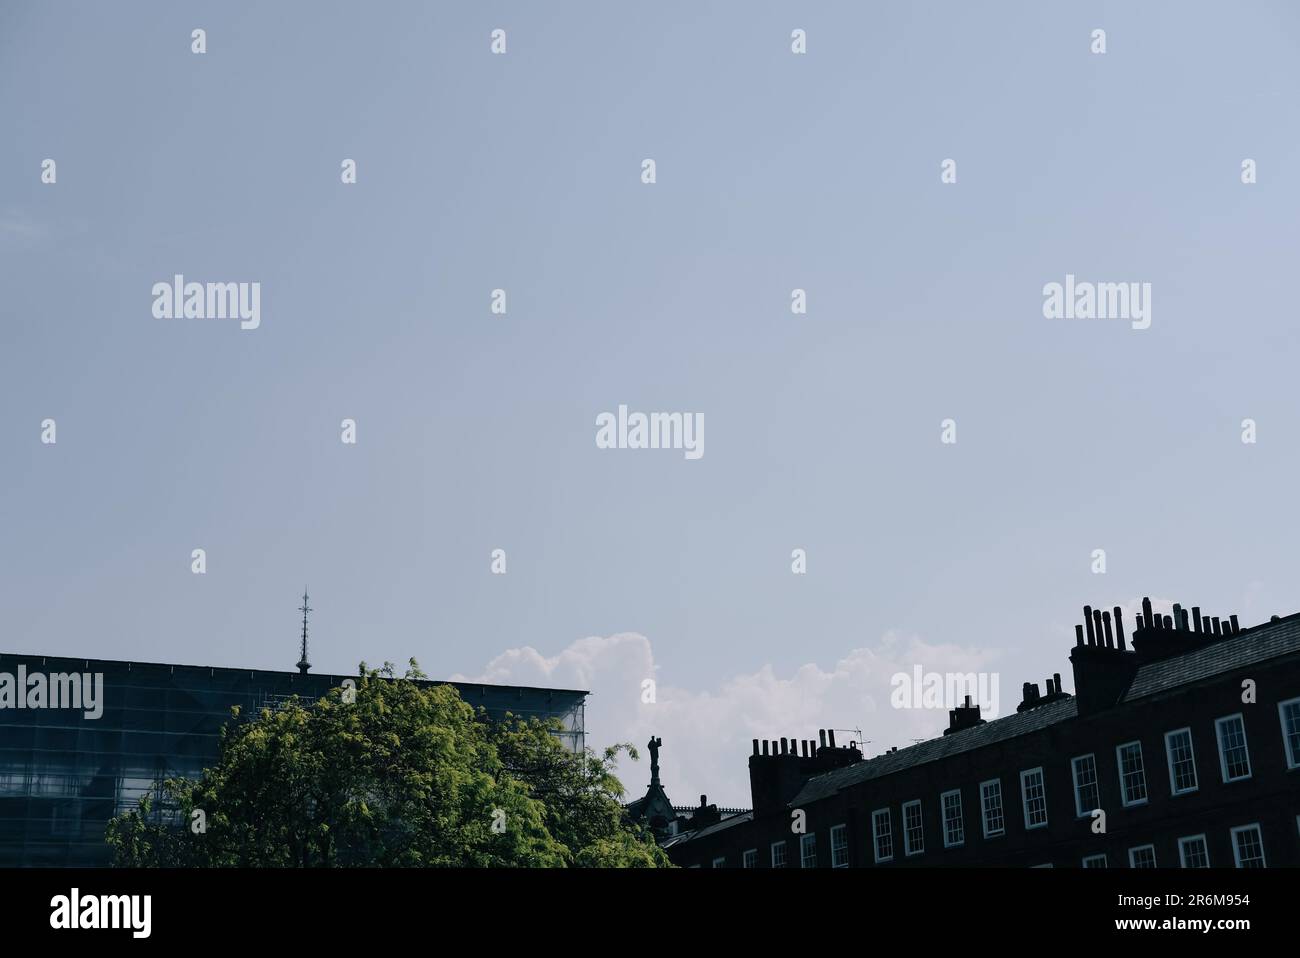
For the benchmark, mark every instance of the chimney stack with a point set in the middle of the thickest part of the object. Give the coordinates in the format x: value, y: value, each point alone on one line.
x: 964, y: 716
x: 1032, y: 697
x: 1102, y: 669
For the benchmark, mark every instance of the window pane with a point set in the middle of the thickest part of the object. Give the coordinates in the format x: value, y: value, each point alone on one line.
x: 1182, y: 764
x: 954, y: 830
x: 1248, y: 844
x: 1086, y: 795
x: 1234, y: 758
x: 1132, y: 775
x: 991, y: 798
x: 1035, y: 798
x: 882, y: 833
x: 913, y: 829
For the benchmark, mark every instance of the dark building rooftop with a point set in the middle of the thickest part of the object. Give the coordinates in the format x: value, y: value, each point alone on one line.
x: 1227, y: 654
x: 718, y: 826
x: 63, y: 774
x: 308, y: 679
x: 1183, y: 668
x: 932, y: 750
x: 1245, y: 648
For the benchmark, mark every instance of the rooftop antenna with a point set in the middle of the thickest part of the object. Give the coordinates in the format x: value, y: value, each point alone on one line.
x: 303, y: 664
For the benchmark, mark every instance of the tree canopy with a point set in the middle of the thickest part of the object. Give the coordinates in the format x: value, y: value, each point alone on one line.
x: 393, y: 773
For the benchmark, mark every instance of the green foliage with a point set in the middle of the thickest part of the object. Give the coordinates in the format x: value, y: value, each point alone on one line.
x: 580, y: 796
x: 403, y: 775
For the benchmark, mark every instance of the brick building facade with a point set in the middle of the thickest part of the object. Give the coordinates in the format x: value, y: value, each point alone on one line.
x: 1178, y: 748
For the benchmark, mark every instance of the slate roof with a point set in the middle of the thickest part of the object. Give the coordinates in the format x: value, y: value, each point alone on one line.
x: 932, y: 750
x: 1246, y: 648
x: 1249, y: 647
x: 708, y: 829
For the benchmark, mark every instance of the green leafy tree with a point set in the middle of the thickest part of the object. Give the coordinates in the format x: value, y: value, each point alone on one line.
x: 580, y: 795
x: 394, y: 774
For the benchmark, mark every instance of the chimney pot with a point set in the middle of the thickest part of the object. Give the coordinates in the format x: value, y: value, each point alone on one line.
x: 830, y: 735
x: 784, y: 750
x: 821, y: 732
x: 1146, y: 611
x: 1235, y: 627
x: 1087, y: 624
x: 755, y: 746
x: 1178, y: 616
x: 1057, y: 676
x: 1196, y: 618
x: 764, y: 746
x: 1105, y: 621
x: 1078, y: 635
x: 1119, y: 627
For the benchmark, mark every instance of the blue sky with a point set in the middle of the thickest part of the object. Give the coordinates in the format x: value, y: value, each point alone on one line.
x: 476, y: 431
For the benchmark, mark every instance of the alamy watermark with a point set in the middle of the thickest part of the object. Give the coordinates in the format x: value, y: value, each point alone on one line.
x: 1085, y: 300
x: 944, y: 690
x: 59, y: 690
x: 181, y: 300
x: 656, y: 430
x: 77, y: 911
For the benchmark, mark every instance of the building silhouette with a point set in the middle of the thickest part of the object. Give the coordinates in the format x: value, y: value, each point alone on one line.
x: 63, y: 775
x: 1180, y: 747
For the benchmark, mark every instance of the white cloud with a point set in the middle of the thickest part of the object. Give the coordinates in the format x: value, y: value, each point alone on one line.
x: 707, y: 732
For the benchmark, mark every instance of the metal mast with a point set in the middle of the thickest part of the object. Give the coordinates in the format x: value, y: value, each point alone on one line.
x: 303, y: 664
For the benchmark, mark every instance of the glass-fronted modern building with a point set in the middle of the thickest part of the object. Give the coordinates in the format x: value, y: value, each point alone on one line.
x: 64, y: 773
